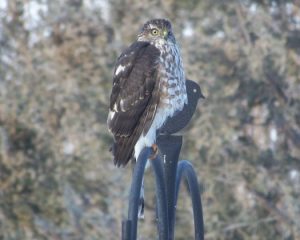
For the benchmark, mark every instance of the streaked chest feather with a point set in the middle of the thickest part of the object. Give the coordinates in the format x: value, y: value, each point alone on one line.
x: 172, y: 92
x: 171, y: 86
x: 172, y: 79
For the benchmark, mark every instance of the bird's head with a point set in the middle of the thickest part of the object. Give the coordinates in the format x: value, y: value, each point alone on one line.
x: 156, y: 30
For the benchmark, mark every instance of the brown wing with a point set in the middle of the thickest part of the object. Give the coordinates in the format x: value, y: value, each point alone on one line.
x: 133, y: 99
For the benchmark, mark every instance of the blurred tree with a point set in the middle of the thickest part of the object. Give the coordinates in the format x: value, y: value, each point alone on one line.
x: 57, y: 180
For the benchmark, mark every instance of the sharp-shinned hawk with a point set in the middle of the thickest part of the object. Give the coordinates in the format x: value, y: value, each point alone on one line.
x: 148, y: 87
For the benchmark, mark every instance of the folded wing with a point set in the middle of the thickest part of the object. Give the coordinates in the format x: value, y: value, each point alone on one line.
x: 134, y: 98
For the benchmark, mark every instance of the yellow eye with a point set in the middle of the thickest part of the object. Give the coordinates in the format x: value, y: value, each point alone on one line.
x: 154, y: 31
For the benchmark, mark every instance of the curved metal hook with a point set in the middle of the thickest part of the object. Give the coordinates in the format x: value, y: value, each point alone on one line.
x: 130, y: 226
x: 186, y: 170
x: 165, y: 204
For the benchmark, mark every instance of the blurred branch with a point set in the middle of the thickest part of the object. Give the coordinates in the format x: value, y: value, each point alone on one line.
x: 235, y: 226
x: 241, y: 17
x: 277, y: 213
x: 273, y: 77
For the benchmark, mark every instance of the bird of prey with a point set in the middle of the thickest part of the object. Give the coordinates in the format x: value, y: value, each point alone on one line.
x: 149, y: 86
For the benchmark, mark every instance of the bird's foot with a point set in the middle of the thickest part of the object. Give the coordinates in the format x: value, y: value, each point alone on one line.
x: 154, y: 151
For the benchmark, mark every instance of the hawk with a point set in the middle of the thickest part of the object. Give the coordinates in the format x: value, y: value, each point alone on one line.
x: 148, y: 87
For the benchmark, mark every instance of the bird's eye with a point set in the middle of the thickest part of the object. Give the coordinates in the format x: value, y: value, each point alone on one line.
x: 154, y: 31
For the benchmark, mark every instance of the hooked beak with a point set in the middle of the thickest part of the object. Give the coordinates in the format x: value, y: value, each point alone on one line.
x: 165, y: 34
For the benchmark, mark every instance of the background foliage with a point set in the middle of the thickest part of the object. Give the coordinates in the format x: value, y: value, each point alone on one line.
x: 57, y: 180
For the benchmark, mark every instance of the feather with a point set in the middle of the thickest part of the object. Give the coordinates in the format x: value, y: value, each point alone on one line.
x: 134, y: 98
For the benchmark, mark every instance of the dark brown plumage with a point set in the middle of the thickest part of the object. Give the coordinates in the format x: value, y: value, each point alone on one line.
x: 131, y: 98
x: 148, y: 87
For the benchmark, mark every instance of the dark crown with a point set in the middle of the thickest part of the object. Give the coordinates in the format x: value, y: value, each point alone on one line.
x: 159, y: 23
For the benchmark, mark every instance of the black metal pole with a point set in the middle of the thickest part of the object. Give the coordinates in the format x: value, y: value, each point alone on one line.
x: 170, y: 146
x: 160, y: 195
x: 134, y: 196
x: 185, y: 169
x: 161, y: 199
x: 126, y: 228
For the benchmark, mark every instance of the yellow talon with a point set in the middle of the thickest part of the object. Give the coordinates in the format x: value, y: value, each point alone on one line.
x: 155, y: 151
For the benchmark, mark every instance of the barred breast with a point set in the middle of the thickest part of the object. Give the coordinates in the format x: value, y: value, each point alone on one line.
x: 172, y: 80
x: 172, y: 92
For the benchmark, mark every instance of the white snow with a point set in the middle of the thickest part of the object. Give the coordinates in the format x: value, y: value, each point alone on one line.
x: 105, y: 9
x: 68, y: 148
x: 294, y: 175
x: 219, y: 34
x: 188, y: 30
x: 33, y: 12
x: 273, y: 134
x: 253, y: 8
x: 3, y: 4
x: 289, y: 8
x: 33, y: 16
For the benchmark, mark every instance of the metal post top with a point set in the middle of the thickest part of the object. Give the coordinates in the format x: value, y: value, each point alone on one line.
x: 168, y: 174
